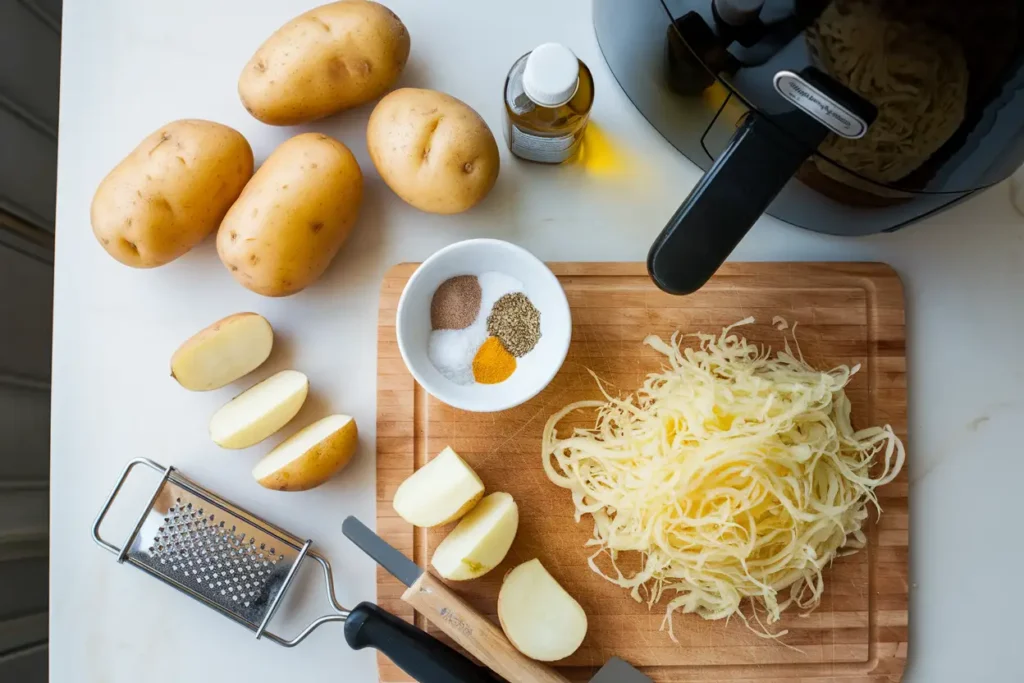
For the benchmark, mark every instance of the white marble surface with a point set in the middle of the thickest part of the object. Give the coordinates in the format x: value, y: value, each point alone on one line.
x: 130, y: 66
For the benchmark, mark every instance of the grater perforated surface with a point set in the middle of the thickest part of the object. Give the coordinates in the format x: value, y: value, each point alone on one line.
x: 204, y: 548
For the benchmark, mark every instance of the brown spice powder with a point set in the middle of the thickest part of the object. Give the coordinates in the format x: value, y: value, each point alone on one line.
x: 456, y: 303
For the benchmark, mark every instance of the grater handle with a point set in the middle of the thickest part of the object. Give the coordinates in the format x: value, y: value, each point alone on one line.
x: 102, y: 542
x: 414, y: 651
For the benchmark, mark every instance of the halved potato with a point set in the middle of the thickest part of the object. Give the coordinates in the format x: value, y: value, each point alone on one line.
x: 539, y: 617
x: 480, y: 541
x: 439, y: 492
x: 259, y: 411
x: 309, y: 457
x: 223, y: 352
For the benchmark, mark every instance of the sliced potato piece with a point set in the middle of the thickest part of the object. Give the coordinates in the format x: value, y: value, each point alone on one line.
x: 309, y: 457
x: 223, y: 352
x: 539, y: 617
x: 439, y: 492
x: 259, y: 411
x: 480, y: 541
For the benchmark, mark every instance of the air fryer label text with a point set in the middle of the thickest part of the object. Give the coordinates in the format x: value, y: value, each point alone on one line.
x: 833, y: 115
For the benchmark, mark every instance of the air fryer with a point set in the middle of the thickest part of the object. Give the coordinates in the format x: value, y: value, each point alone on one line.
x: 848, y: 117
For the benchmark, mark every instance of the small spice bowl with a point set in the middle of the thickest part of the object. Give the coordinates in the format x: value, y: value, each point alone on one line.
x: 476, y: 257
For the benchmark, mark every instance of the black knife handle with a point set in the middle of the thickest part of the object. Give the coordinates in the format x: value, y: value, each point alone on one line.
x: 414, y: 651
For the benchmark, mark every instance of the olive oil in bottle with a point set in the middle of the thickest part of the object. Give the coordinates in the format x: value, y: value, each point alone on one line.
x: 548, y: 96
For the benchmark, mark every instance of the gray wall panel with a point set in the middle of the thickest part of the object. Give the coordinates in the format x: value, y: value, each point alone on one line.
x: 31, y: 75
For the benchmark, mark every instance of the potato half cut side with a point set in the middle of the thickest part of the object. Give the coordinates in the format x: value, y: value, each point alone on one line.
x: 309, y: 457
x: 440, y: 492
x: 260, y: 410
x: 539, y: 617
x: 223, y: 352
x: 480, y: 541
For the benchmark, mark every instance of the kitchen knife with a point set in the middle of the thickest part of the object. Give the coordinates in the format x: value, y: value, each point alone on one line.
x: 416, y: 652
x: 619, y: 671
x: 467, y: 627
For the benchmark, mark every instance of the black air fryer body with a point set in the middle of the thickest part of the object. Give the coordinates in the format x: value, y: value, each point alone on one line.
x: 848, y: 117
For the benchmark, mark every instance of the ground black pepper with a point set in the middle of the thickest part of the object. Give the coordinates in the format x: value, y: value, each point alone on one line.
x: 456, y: 303
x: 515, y: 322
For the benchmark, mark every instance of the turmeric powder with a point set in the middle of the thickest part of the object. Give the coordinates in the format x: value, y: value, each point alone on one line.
x: 492, y: 363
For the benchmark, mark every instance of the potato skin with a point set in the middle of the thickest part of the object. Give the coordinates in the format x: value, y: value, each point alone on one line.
x: 293, y: 216
x: 319, y: 463
x: 458, y: 514
x: 170, y: 192
x: 331, y: 58
x: 432, y: 150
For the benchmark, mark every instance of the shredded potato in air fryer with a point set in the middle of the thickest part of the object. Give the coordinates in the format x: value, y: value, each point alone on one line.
x: 734, y: 473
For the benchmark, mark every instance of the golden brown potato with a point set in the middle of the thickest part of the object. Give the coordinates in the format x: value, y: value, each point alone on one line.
x: 170, y: 192
x: 433, y: 150
x: 331, y: 58
x: 293, y: 216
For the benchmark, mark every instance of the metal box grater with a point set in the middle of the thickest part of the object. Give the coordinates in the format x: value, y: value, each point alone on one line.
x: 217, y: 552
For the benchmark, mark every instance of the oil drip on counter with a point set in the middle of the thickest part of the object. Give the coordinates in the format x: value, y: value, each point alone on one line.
x: 480, y: 326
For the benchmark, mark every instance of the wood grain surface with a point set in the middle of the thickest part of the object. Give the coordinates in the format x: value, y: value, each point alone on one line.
x: 847, y: 313
x: 474, y: 632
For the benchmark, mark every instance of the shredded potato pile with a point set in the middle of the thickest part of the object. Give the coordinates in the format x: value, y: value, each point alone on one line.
x: 733, y: 473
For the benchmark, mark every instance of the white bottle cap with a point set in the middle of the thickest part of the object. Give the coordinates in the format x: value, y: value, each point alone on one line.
x: 552, y: 75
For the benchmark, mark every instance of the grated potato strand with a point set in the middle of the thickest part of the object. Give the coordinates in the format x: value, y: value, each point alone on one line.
x: 732, y: 474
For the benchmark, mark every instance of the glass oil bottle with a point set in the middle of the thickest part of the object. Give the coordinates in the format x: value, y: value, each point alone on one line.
x: 548, y: 96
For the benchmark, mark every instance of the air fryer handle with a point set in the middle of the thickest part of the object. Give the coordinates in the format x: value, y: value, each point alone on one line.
x: 758, y: 162
x: 414, y: 651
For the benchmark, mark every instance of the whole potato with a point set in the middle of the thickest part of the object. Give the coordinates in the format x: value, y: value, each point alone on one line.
x: 331, y: 58
x: 170, y: 192
x: 433, y: 150
x: 293, y: 216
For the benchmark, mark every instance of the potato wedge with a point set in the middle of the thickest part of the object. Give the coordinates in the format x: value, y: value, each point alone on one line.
x: 260, y: 410
x: 538, y: 616
x: 440, y: 492
x: 223, y: 352
x: 480, y: 541
x: 309, y: 457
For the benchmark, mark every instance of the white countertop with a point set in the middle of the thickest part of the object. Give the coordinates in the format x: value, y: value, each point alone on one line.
x: 129, y: 67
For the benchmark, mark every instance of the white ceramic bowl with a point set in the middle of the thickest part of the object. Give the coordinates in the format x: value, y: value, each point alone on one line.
x: 534, y: 371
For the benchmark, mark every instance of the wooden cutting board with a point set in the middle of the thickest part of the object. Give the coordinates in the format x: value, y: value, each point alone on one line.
x: 847, y: 313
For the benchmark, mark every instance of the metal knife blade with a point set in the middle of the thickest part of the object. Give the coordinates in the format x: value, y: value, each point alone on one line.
x: 619, y: 671
x: 400, y: 566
